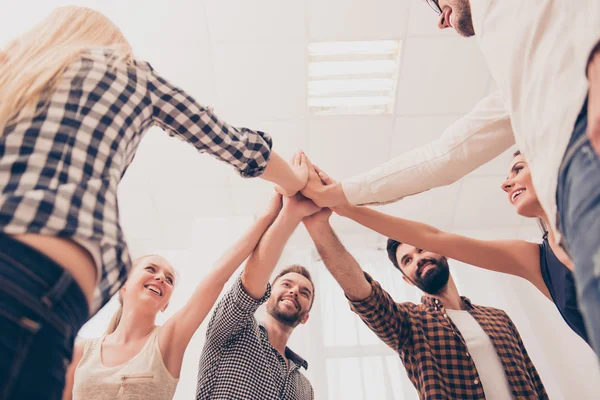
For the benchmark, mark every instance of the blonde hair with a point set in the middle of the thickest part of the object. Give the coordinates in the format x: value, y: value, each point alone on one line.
x: 32, y: 64
x: 116, y: 318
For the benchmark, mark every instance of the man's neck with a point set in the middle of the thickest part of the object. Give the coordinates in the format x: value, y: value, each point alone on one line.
x: 449, y: 296
x: 278, y: 333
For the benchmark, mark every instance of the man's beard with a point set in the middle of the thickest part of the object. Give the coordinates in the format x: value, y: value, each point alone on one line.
x: 464, y: 24
x: 436, y: 278
x: 289, y: 319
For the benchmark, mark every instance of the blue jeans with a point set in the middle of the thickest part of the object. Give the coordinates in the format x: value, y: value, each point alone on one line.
x: 41, y: 311
x: 578, y: 200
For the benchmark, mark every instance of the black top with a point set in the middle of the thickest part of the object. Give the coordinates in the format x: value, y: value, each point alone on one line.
x: 561, y: 285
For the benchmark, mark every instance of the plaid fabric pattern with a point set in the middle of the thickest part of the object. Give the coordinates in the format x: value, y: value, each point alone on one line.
x: 238, y: 362
x: 434, y: 352
x: 59, y: 169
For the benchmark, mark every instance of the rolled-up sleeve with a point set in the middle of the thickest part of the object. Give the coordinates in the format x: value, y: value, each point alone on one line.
x: 176, y: 112
x: 470, y: 142
x: 389, y: 320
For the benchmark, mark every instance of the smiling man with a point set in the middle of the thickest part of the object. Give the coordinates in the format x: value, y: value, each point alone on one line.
x: 247, y: 359
x: 451, y: 348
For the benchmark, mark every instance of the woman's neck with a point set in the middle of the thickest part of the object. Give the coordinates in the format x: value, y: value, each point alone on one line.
x: 133, y: 326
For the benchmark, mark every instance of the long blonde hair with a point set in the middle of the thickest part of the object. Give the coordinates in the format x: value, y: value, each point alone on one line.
x: 32, y: 64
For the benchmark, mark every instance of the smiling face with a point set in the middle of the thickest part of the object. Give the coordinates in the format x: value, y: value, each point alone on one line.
x: 427, y: 271
x: 456, y: 14
x: 291, y: 299
x: 150, y: 284
x: 520, y: 190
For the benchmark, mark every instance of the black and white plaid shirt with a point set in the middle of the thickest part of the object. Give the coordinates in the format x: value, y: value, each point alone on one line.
x: 59, y: 170
x: 238, y: 362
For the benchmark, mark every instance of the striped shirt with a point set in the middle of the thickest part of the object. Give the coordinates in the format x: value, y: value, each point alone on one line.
x: 60, y: 168
x: 434, y: 352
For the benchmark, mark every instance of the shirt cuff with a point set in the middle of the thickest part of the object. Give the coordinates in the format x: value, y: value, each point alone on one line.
x: 244, y: 301
x: 261, y: 150
x: 366, y: 305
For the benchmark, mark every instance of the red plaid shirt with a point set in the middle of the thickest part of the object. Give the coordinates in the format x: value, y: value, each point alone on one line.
x: 434, y: 352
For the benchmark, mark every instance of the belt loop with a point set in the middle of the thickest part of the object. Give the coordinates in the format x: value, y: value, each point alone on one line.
x: 58, y: 290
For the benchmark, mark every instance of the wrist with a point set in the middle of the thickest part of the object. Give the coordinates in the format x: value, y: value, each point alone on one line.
x: 335, y: 192
x: 315, y: 223
x: 291, y: 214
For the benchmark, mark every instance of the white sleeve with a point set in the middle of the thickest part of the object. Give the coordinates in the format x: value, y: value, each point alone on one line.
x: 470, y: 142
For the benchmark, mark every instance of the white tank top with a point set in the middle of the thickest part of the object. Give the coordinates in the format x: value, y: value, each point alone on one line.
x: 144, y: 377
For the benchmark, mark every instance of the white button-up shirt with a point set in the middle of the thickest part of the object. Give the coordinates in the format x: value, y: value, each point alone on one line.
x: 537, y: 51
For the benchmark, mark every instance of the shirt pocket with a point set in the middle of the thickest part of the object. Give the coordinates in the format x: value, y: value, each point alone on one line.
x: 136, y: 383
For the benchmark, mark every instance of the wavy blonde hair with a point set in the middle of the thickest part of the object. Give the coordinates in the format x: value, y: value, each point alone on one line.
x: 32, y: 64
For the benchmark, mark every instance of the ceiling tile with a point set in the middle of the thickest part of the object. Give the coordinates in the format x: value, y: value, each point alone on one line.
x: 345, y: 146
x: 288, y: 136
x: 250, y: 196
x: 160, y: 156
x: 482, y: 204
x: 144, y: 22
x: 498, y: 167
x: 252, y: 21
x: 440, y: 76
x: 357, y: 20
x: 435, y: 207
x: 412, y: 132
x: 261, y: 81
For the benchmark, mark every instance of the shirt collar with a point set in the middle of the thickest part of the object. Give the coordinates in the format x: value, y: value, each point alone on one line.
x: 289, y: 354
x: 432, y: 302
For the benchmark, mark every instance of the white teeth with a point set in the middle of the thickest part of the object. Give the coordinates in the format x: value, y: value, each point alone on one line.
x: 154, y: 289
x: 518, y: 192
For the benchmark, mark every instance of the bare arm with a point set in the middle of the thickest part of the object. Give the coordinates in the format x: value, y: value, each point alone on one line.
x: 179, y: 329
x: 389, y: 320
x: 263, y: 260
x: 342, y: 266
x: 515, y: 257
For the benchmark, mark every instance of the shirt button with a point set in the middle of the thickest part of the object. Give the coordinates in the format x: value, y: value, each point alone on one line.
x: 445, y: 316
x: 476, y: 381
x: 467, y: 353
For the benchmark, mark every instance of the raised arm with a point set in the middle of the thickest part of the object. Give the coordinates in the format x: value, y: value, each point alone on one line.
x: 262, y: 262
x: 179, y: 329
x: 470, y: 142
x: 386, y: 318
x: 515, y: 257
x: 248, y: 151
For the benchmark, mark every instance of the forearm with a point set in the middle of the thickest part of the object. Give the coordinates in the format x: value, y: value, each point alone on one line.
x: 468, y: 143
x: 229, y: 262
x: 340, y: 263
x: 263, y: 260
x: 279, y: 172
x: 403, y: 230
x: 188, y: 319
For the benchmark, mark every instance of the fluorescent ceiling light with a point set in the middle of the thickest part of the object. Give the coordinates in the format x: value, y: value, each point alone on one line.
x: 352, y: 77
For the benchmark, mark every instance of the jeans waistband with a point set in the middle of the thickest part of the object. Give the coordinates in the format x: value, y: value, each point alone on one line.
x: 42, y: 285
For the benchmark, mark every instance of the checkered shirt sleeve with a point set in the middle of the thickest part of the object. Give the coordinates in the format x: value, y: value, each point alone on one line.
x: 182, y: 117
x: 233, y: 314
x: 389, y: 320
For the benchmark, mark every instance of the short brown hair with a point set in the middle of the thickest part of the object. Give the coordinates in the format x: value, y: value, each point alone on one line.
x: 298, y: 269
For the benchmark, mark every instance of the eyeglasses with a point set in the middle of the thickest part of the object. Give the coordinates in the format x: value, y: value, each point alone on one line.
x: 435, y: 6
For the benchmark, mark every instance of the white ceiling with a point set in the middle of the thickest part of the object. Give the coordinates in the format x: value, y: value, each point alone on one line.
x: 248, y: 60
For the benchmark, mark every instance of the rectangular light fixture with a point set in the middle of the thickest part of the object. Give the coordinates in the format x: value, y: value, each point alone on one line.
x: 352, y: 77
